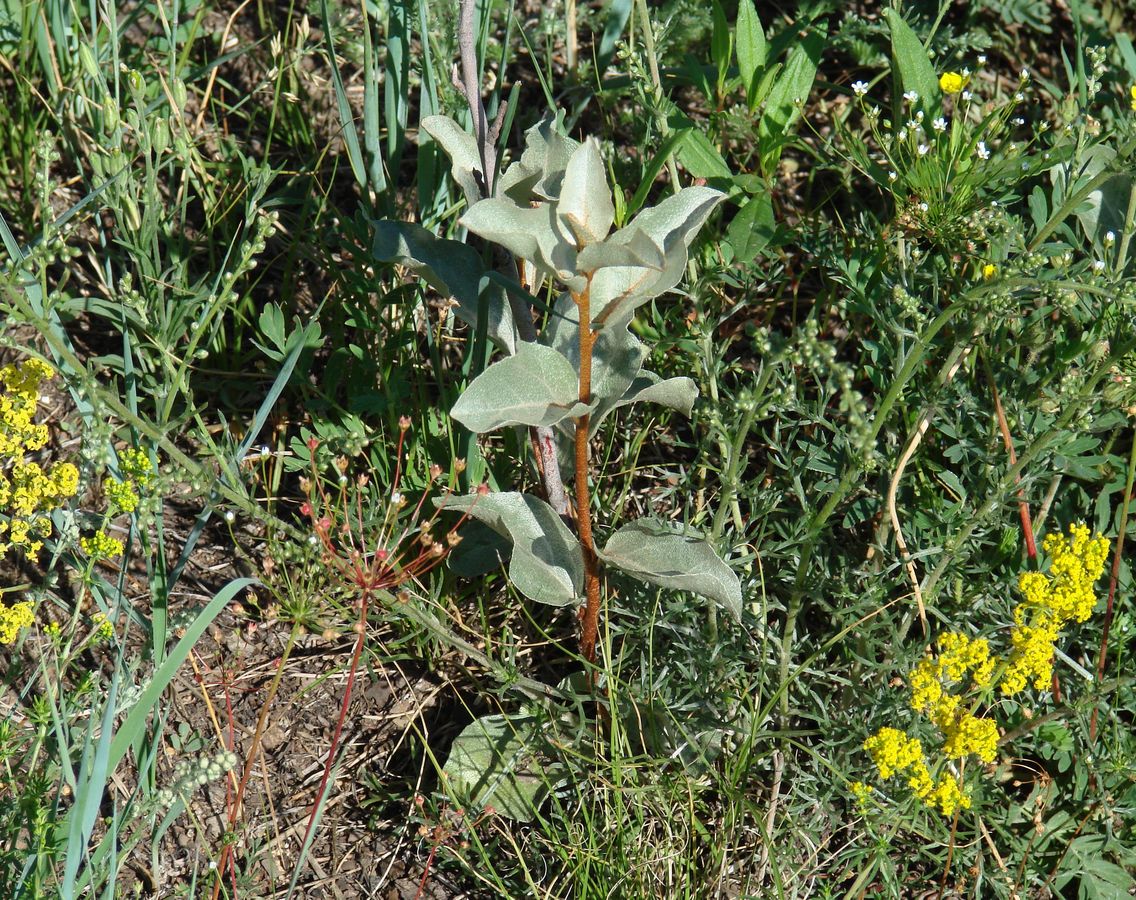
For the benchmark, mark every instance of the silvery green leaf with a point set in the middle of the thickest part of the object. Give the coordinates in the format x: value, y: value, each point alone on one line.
x: 519, y: 229
x: 461, y: 147
x: 493, y: 763
x: 536, y: 386
x: 585, y: 199
x: 653, y: 552
x: 451, y: 268
x: 637, y: 251
x: 678, y: 393
x: 541, y: 167
x: 547, y: 563
x: 618, y: 291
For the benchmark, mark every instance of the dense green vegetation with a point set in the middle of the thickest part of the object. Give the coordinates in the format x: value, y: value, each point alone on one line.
x: 337, y: 559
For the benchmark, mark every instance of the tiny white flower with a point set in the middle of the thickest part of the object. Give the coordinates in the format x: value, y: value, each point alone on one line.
x: 919, y: 116
x: 965, y: 73
x: 912, y: 124
x: 902, y: 134
x: 940, y: 124
x: 892, y: 176
x: 874, y: 112
x: 397, y: 498
x: 859, y: 88
x: 1109, y: 238
x: 1019, y: 96
x: 911, y: 96
x: 230, y: 516
x: 923, y: 149
x: 981, y: 150
x: 1017, y: 120
x: 966, y: 95
x: 1025, y: 74
x: 1098, y: 265
x: 923, y: 207
x: 994, y: 204
x: 982, y: 59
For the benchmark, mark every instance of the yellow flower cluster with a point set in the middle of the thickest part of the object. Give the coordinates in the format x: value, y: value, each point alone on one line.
x: 1064, y: 594
x: 27, y: 492
x: 894, y: 752
x: 965, y: 666
x: 952, y: 82
x: 123, y: 495
x: 101, y: 546
x: 959, y: 657
x: 13, y: 618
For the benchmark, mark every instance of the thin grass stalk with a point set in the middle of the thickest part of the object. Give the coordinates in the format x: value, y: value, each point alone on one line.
x: 1113, y: 578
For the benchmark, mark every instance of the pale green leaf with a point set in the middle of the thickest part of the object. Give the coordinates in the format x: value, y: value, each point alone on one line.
x: 585, y: 204
x: 492, y: 763
x: 453, y: 269
x: 461, y: 147
x: 652, y: 552
x: 536, y: 386
x: 618, y: 291
x: 547, y: 563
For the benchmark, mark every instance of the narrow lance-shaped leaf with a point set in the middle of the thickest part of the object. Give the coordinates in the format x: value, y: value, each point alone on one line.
x: 750, y: 40
x: 537, y: 386
x: 547, y: 562
x: 789, y: 92
x: 914, y: 67
x: 652, y: 552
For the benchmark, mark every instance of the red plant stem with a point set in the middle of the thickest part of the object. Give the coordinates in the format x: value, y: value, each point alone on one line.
x: 591, y: 616
x: 261, y: 722
x: 362, y: 629
x: 1113, y: 578
x: 1007, y: 440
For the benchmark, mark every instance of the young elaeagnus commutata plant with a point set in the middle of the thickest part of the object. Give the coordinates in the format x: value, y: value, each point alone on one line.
x: 552, y: 211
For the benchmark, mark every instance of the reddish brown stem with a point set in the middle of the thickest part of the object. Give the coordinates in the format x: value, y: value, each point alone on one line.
x: 1113, y: 578
x: 1008, y: 441
x: 591, y: 616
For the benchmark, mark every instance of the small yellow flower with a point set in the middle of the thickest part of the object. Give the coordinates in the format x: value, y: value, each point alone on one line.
x: 101, y: 546
x: 952, y: 82
x: 1132, y: 91
x: 862, y: 792
x: 948, y: 796
x: 13, y: 618
x: 103, y: 629
x: 121, y: 495
x: 989, y: 271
